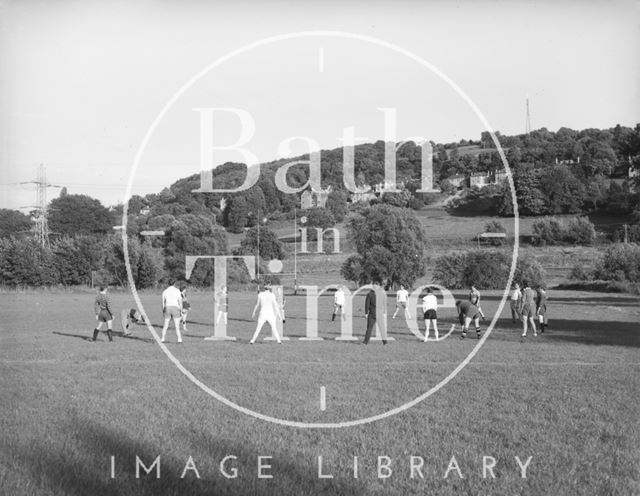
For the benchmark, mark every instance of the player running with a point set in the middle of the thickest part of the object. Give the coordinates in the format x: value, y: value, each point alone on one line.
x: 528, y: 309
x: 468, y: 312
x: 402, y: 301
x: 104, y: 314
x: 430, y: 307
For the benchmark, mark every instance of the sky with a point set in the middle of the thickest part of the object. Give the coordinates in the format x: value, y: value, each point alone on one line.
x: 85, y: 84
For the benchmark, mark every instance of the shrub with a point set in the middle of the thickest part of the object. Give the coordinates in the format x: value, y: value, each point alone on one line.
x: 620, y: 262
x: 579, y: 231
x: 578, y: 273
x: 531, y: 270
x: 547, y: 231
x: 550, y: 231
x: 485, y: 269
x: 495, y: 226
x: 632, y: 234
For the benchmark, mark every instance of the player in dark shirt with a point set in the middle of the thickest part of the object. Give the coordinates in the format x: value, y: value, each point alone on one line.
x: 467, y: 312
x: 541, y: 308
x: 104, y: 313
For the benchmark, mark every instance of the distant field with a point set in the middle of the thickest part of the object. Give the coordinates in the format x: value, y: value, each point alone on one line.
x: 567, y: 398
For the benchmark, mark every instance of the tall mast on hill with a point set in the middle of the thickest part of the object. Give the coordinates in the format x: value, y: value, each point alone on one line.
x: 41, y: 212
x: 528, y: 119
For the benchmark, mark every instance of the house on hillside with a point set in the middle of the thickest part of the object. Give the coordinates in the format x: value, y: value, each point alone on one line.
x: 456, y: 181
x: 479, y: 179
x: 568, y: 161
x: 499, y: 176
x: 362, y: 197
x: 311, y: 198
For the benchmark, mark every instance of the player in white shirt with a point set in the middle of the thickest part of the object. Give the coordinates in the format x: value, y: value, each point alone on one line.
x: 430, y: 307
x: 474, y: 298
x: 220, y: 299
x: 172, y: 309
x: 338, y: 303
x: 269, y: 311
x: 516, y: 303
x: 402, y: 300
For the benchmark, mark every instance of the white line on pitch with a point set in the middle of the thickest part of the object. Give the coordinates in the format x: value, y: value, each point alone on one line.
x: 321, y: 59
x: 323, y: 398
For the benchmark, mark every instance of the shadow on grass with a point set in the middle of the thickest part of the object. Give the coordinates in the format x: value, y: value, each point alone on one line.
x: 118, y: 334
x: 613, y: 333
x: 617, y: 301
x: 82, y: 467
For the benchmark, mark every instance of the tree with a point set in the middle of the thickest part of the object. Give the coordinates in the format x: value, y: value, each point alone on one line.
x: 237, y: 211
x: 145, y: 263
x: 389, y: 242
x: 191, y: 234
x: 24, y: 262
x: 79, y: 214
x: 563, y: 192
x: 337, y: 204
x: 596, y: 191
x: 13, y: 222
x: 270, y: 245
x: 318, y: 217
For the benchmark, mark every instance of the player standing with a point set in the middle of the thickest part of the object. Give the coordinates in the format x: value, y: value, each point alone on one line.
x: 516, y: 302
x: 474, y: 298
x: 172, y: 309
x: 402, y: 300
x: 269, y: 311
x: 430, y: 307
x: 104, y: 314
x: 541, y: 308
x: 186, y: 306
x: 528, y: 309
x: 222, y: 304
x: 338, y: 303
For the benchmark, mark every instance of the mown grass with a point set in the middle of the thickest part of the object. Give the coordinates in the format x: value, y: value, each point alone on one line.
x: 567, y: 398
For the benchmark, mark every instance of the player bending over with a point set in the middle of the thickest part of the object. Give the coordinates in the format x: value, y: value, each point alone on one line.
x: 128, y: 318
x: 467, y: 312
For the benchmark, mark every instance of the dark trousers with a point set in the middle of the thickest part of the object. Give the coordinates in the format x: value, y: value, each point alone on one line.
x: 371, y: 324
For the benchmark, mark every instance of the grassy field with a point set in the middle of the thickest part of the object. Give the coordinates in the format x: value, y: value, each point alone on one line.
x: 568, y: 399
